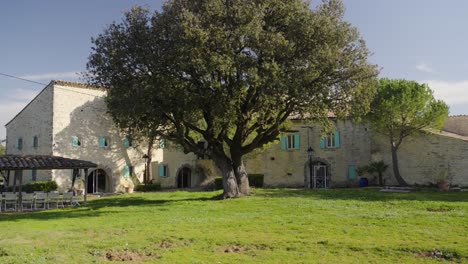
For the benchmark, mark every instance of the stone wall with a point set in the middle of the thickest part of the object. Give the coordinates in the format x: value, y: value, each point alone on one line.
x: 290, y: 168
x: 34, y: 120
x: 457, y: 125
x: 424, y: 157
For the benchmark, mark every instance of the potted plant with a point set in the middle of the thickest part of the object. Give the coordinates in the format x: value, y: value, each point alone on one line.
x: 443, y: 179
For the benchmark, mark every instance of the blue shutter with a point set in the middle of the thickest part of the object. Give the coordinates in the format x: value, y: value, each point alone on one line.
x: 351, y: 172
x: 126, y: 143
x: 102, y: 142
x: 126, y: 171
x: 161, y: 171
x: 162, y: 143
x: 284, y: 143
x: 297, y: 139
x: 322, y: 143
x: 337, y: 138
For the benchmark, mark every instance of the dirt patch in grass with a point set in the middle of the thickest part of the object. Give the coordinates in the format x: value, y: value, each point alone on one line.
x: 241, y: 248
x: 165, y: 244
x: 438, y: 254
x: 123, y: 255
x: 439, y: 209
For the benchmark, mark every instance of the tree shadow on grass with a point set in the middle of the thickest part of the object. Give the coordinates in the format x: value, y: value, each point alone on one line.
x: 365, y: 194
x: 93, y: 208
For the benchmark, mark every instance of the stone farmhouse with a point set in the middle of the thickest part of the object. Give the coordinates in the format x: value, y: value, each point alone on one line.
x: 70, y: 120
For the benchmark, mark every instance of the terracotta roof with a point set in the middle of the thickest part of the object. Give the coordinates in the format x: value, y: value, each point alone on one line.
x: 27, y: 162
x: 77, y: 85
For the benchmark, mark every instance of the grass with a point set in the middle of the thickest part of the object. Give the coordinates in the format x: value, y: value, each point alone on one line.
x: 271, y: 226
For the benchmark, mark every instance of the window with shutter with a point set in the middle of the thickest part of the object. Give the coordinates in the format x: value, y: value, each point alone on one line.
x: 126, y: 171
x: 35, y: 142
x: 163, y: 171
x: 19, y: 143
x: 104, y: 142
x: 76, y: 141
x: 352, y: 175
x: 289, y: 142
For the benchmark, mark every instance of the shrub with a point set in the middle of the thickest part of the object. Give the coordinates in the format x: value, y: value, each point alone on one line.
x: 256, y: 180
x: 218, y: 183
x: 40, y: 186
x: 148, y: 188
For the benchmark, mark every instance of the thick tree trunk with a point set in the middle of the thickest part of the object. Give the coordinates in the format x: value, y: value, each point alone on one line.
x: 242, y: 179
x: 396, y: 170
x: 231, y: 189
x: 149, y: 153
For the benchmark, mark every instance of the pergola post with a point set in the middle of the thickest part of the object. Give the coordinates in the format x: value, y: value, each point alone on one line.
x: 20, y: 197
x: 85, y: 191
x: 75, y: 173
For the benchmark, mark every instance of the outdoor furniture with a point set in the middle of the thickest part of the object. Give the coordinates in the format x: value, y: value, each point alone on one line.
x: 53, y: 199
x: 75, y: 200
x: 66, y: 199
x: 27, y: 201
x: 40, y: 200
x: 10, y: 201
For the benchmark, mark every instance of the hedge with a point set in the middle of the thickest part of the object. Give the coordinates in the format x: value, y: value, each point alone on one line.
x: 40, y: 186
x: 255, y: 180
x: 148, y: 188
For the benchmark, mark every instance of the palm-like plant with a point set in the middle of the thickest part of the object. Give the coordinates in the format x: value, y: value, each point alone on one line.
x: 378, y: 167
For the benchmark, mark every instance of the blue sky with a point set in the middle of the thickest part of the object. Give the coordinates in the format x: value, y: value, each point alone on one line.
x: 422, y: 40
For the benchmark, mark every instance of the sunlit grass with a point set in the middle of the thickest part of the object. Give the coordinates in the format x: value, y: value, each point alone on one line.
x: 271, y: 226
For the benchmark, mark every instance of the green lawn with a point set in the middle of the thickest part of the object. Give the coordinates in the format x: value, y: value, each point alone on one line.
x: 271, y: 226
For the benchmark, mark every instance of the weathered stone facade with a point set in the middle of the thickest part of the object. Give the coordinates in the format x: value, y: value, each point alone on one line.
x: 65, y: 113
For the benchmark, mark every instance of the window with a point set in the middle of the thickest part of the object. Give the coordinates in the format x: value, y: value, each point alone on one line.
x: 33, y: 175
x: 332, y: 140
x: 76, y: 142
x: 127, y: 171
x: 104, y: 142
x: 163, y: 171
x: 127, y: 142
x: 162, y: 144
x: 352, y: 172
x: 19, y: 143
x: 35, y: 142
x: 291, y: 141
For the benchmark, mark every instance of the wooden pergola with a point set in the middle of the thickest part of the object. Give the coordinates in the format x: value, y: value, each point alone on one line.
x: 15, y: 163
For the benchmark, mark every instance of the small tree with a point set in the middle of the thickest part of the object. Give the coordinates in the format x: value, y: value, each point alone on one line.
x: 401, y: 108
x: 378, y: 167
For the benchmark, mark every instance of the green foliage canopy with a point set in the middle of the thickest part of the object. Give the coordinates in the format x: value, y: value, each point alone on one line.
x: 230, y: 72
x: 400, y: 108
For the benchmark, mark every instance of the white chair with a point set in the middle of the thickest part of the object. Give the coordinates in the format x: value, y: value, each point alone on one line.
x: 27, y: 201
x: 53, y: 199
x: 67, y: 199
x: 11, y: 199
x: 75, y: 200
x: 40, y: 200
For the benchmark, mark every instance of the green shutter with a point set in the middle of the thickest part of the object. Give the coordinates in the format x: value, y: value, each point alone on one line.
x: 102, y: 142
x: 337, y: 138
x: 322, y: 143
x: 162, y: 143
x: 161, y: 171
x: 297, y: 139
x: 352, y: 172
x: 126, y: 143
x: 75, y: 141
x: 284, y: 143
x: 126, y: 171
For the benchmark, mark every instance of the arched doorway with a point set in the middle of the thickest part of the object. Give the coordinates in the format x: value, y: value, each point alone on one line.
x: 97, y: 181
x: 184, y: 178
x: 317, y: 174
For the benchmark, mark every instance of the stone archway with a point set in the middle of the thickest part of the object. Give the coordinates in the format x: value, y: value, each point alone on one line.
x: 317, y: 175
x: 98, y: 181
x: 184, y: 177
